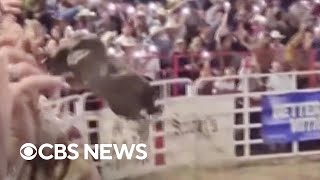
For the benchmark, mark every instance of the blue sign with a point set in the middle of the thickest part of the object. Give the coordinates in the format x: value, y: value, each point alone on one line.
x: 291, y: 117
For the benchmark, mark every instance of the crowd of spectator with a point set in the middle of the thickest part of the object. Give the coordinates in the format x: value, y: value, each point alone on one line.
x: 186, y: 38
x: 156, y: 38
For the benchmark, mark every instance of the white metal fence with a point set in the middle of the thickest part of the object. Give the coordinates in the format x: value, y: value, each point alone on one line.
x: 245, y: 113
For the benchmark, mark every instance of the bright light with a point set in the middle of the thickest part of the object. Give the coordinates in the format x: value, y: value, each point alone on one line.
x: 153, y: 6
x: 261, y: 35
x: 256, y: 9
x: 227, y: 5
x: 153, y: 48
x: 263, y: 3
x: 139, y: 54
x: 304, y: 2
x: 205, y: 54
x: 316, y: 29
x: 112, y: 7
x: 185, y: 11
x: 131, y: 10
x: 317, y: 1
x: 111, y: 51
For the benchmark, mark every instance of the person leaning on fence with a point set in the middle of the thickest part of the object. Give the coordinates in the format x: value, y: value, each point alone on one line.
x: 226, y: 85
x: 279, y: 82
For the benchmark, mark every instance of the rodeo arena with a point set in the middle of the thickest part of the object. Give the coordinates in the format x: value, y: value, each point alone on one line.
x: 194, y: 89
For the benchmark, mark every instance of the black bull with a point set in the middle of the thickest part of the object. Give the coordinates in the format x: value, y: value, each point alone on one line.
x: 126, y: 92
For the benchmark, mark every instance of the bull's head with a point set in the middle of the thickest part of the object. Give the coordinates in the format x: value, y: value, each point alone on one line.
x: 83, y: 50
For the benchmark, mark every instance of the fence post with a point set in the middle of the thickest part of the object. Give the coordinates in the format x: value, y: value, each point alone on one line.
x: 246, y: 117
x: 175, y: 60
x: 294, y: 83
x: 190, y: 90
x: 312, y: 67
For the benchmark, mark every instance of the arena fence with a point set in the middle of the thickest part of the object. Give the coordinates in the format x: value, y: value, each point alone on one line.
x: 195, y: 130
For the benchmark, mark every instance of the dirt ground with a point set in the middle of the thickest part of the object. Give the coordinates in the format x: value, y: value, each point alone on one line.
x: 277, y: 170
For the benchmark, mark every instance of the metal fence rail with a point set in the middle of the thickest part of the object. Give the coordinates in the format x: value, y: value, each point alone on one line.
x: 245, y: 117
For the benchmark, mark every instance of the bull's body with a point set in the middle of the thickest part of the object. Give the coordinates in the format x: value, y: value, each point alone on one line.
x: 126, y: 92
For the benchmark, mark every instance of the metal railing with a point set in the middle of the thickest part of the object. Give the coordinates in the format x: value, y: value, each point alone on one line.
x: 245, y: 96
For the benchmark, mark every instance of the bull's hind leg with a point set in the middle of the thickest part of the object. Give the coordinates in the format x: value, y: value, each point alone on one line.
x: 144, y: 129
x: 148, y: 100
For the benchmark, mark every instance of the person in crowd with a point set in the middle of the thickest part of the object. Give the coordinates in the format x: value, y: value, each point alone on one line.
x: 54, y: 39
x: 23, y: 81
x: 196, y: 51
x: 161, y: 39
x: 249, y: 65
x: 205, y: 88
x: 277, y: 46
x: 84, y: 19
x: 140, y: 25
x: 11, y: 7
x: 146, y: 62
x: 279, y: 82
x: 181, y: 58
x: 227, y: 85
x: 128, y: 46
x: 210, y: 35
x: 298, y: 48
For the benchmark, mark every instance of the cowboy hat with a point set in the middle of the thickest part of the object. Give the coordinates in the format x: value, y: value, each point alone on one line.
x: 126, y: 41
x: 162, y: 12
x: 154, y: 30
x: 108, y: 36
x: 80, y: 33
x: 276, y: 35
x: 140, y: 14
x: 86, y: 13
x: 171, y: 24
x: 259, y: 19
x: 179, y: 41
x: 66, y: 14
x: 174, y: 5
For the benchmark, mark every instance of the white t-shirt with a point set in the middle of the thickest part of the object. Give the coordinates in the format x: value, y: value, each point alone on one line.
x: 253, y: 83
x: 148, y: 67
x: 278, y: 82
x: 225, y: 85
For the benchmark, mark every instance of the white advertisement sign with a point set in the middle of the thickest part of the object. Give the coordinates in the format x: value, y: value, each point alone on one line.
x: 199, y: 131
